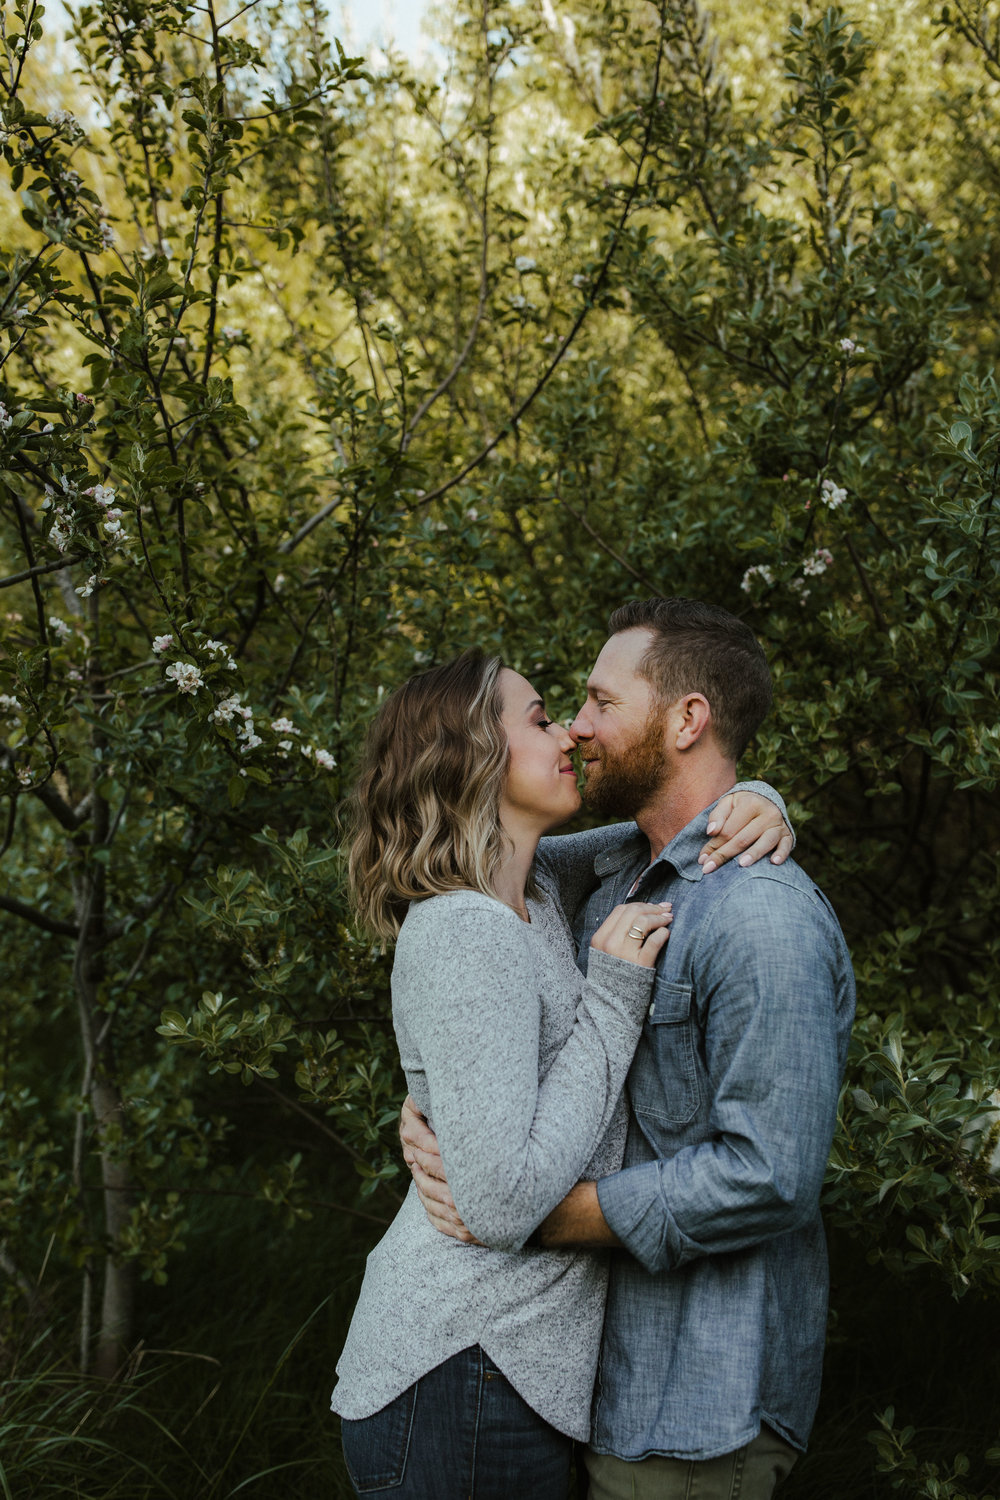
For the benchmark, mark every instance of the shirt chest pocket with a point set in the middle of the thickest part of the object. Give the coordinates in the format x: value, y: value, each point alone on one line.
x: 663, y: 1083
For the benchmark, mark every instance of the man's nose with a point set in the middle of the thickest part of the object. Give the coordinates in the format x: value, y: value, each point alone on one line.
x: 580, y: 729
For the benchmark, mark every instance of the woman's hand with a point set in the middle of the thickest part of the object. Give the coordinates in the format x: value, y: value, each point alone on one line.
x: 747, y: 824
x: 635, y: 931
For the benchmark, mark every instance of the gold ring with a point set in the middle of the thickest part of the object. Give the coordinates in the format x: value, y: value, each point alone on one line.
x: 637, y: 933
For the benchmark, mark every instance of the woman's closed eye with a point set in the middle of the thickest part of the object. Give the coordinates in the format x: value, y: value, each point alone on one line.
x: 544, y: 723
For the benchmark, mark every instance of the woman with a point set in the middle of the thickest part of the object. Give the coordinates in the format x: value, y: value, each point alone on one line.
x: 468, y: 1369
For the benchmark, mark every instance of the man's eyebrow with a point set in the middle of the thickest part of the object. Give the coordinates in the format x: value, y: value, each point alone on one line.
x: 594, y: 686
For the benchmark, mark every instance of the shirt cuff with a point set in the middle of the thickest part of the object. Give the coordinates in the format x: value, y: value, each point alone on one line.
x: 632, y: 1205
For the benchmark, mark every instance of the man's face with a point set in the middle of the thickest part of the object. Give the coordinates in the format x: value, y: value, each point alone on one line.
x: 620, y: 731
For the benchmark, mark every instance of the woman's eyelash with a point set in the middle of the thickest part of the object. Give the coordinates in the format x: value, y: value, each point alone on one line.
x: 544, y: 723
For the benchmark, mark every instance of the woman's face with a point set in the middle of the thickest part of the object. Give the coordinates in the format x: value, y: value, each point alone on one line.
x: 540, y: 791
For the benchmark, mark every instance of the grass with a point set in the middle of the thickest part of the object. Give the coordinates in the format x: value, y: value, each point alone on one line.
x: 229, y: 1393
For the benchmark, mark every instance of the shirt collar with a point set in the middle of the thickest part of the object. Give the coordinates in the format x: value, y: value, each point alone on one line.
x: 681, y: 852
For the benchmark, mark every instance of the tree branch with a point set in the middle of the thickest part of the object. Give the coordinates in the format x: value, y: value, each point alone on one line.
x: 38, y: 918
x: 622, y: 562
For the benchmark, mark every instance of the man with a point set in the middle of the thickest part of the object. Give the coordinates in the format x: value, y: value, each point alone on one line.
x: 713, y: 1340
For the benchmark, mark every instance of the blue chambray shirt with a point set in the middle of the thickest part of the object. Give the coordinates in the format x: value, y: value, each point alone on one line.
x: 716, y: 1316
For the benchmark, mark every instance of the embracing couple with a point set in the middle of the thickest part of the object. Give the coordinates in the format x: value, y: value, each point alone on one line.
x: 624, y: 1052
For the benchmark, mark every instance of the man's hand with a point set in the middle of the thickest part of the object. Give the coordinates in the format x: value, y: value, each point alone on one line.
x: 420, y: 1144
x: 577, y: 1222
x: 421, y: 1154
x: 748, y: 825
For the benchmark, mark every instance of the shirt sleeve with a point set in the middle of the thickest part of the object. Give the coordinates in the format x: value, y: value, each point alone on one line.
x: 776, y: 993
x: 512, y: 1145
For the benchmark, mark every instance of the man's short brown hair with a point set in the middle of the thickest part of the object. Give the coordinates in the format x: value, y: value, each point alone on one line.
x: 700, y: 648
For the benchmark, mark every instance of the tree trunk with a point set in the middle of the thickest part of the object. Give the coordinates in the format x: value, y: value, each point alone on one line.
x: 115, y: 1331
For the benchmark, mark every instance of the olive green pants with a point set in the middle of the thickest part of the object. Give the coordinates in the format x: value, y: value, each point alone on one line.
x: 750, y: 1473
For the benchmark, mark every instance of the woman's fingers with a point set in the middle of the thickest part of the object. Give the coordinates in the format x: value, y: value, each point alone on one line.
x: 635, y: 931
x: 748, y: 825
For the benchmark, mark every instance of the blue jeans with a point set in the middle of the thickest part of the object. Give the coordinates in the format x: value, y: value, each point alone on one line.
x: 460, y: 1433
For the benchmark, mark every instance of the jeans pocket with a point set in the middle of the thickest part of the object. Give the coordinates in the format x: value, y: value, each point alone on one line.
x: 375, y: 1447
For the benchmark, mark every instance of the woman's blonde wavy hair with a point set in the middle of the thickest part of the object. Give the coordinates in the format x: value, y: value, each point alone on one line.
x: 425, y: 811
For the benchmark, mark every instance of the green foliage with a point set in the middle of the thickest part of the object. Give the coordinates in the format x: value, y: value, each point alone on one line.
x: 313, y: 372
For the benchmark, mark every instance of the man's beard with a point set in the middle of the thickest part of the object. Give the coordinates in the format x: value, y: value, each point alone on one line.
x: 622, y: 782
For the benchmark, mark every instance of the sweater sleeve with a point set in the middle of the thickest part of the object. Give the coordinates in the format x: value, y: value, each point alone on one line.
x: 566, y: 860
x: 512, y: 1145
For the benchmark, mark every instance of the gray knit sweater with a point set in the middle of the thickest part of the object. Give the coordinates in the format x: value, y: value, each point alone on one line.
x: 519, y: 1063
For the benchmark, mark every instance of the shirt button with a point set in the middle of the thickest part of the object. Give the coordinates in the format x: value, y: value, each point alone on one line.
x: 652, y: 1007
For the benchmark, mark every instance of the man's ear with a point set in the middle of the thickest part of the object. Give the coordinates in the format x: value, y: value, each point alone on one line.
x: 692, y: 717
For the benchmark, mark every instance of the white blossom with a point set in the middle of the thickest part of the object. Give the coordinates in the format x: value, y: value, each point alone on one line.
x: 849, y: 347
x: 324, y: 760
x: 518, y: 302
x: 798, y: 586
x: 759, y: 570
x: 524, y: 263
x: 817, y: 563
x: 24, y: 775
x: 580, y: 280
x: 86, y: 589
x: 10, y: 705
x: 283, y: 726
x: 6, y: 420
x: 250, y: 740
x: 107, y: 235
x: 101, y: 494
x: 832, y: 494
x: 59, y: 117
x: 186, y: 675
x: 231, y: 333
x: 162, y: 643
x: 57, y: 536
x: 225, y: 709
x: 62, y: 630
